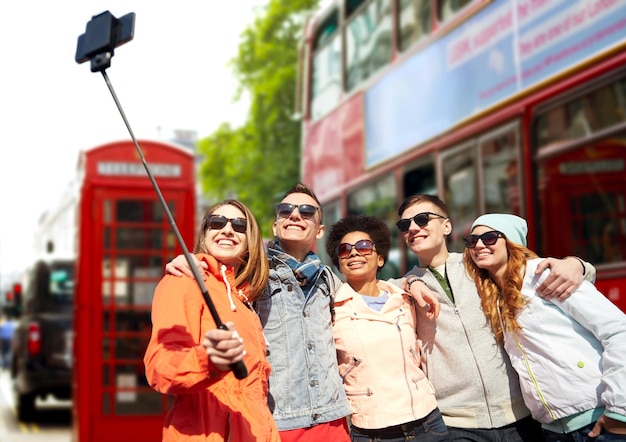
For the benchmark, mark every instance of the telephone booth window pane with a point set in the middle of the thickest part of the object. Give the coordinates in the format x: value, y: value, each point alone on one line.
x: 106, y: 409
x: 171, y: 240
x: 130, y: 376
x: 105, y: 320
x: 106, y: 348
x: 105, y: 376
x: 129, y: 347
x: 138, y: 293
x: 106, y: 238
x: 133, y: 321
x: 106, y: 211
x: 131, y: 238
x: 141, y: 211
x: 146, y: 267
x: 142, y: 403
x: 143, y: 292
x: 118, y: 274
x: 136, y: 266
x: 112, y: 273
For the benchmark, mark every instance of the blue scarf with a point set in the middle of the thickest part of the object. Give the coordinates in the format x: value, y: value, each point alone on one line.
x: 305, y: 272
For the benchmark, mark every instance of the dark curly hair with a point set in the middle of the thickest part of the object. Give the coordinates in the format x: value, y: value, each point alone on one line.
x: 375, y: 227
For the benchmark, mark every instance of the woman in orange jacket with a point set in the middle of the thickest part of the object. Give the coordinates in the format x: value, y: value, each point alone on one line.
x: 188, y: 357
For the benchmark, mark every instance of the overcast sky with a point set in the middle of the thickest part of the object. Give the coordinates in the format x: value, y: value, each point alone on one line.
x: 173, y: 75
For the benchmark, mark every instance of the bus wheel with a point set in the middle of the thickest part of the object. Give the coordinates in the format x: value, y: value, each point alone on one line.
x: 25, y: 407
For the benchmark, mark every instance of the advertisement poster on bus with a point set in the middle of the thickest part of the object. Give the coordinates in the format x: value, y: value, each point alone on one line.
x: 497, y: 54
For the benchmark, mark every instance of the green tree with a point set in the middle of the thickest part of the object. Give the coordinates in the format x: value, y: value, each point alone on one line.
x: 259, y: 161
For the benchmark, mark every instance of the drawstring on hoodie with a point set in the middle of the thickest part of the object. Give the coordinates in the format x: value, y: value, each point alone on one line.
x: 233, y: 307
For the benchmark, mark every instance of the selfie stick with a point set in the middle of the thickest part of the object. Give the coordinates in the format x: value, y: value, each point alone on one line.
x: 104, y: 33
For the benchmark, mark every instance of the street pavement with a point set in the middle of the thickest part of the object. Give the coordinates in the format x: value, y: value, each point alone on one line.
x: 52, y: 423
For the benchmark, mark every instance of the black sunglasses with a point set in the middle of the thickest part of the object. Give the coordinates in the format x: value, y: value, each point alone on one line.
x: 363, y: 247
x: 488, y: 239
x: 421, y: 219
x: 217, y: 222
x: 283, y: 210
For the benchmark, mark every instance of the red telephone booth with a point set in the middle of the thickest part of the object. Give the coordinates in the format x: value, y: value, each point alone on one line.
x: 124, y: 240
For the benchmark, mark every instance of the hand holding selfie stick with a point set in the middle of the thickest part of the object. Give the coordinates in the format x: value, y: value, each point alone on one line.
x: 104, y: 33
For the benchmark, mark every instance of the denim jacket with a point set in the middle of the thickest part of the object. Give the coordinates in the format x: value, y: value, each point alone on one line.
x: 305, y: 388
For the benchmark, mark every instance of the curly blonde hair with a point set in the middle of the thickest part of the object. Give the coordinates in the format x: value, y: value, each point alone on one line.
x: 501, y: 304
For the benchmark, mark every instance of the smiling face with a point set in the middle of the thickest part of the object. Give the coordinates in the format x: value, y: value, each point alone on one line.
x: 492, y: 258
x: 428, y: 242
x: 225, y: 244
x: 358, y: 268
x: 297, y: 234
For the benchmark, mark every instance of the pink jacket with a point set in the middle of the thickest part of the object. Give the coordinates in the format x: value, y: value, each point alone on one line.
x: 379, y: 359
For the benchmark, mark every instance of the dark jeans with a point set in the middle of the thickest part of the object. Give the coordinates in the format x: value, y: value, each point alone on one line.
x: 428, y: 429
x: 524, y: 430
x: 581, y: 436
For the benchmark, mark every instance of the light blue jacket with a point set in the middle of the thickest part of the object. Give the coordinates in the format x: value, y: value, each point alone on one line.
x: 305, y: 388
x: 570, y: 355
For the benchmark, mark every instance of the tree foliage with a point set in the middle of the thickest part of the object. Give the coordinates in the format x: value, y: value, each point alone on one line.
x: 258, y: 162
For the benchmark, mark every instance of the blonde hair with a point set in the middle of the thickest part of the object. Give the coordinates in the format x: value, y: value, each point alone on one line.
x: 254, y: 268
x: 501, y: 304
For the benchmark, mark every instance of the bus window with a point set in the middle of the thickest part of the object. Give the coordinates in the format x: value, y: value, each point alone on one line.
x: 378, y: 198
x: 368, y: 41
x: 599, y: 225
x: 446, y: 9
x: 414, y: 22
x: 332, y: 214
x: 326, y: 73
x: 418, y: 180
x: 606, y: 106
x: 583, y: 116
x: 459, y: 174
x: 586, y: 187
x: 583, y: 182
x: 501, y: 172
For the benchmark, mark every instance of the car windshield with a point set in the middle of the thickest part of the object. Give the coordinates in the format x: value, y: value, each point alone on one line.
x: 62, y: 284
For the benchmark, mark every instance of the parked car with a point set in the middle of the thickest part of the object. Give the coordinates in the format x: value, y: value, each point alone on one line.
x: 41, y: 348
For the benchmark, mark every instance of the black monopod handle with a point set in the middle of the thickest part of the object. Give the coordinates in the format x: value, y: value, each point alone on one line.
x: 238, y: 368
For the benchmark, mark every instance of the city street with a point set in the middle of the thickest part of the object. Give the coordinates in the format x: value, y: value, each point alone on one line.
x: 52, y: 422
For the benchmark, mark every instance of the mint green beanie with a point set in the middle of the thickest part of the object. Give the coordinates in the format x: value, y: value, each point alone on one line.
x: 513, y: 227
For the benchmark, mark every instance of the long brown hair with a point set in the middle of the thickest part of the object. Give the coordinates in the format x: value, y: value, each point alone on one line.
x: 501, y: 304
x: 254, y: 268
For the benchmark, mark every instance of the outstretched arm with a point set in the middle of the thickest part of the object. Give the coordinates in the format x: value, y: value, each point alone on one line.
x: 425, y: 297
x: 179, y: 266
x: 565, y: 277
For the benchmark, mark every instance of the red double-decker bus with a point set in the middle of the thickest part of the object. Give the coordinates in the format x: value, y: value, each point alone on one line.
x: 497, y: 106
